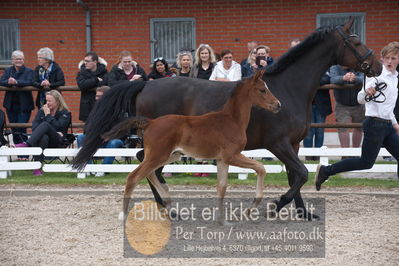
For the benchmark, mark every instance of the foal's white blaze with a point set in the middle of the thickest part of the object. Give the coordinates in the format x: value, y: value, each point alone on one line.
x: 265, y: 85
x: 264, y: 82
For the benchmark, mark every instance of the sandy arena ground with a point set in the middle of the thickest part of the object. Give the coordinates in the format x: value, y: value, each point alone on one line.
x: 67, y: 226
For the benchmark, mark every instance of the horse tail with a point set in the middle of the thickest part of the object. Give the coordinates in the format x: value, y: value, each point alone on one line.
x: 107, y: 112
x: 125, y: 126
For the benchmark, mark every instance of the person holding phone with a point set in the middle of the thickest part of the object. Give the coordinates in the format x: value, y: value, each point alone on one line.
x: 263, y: 56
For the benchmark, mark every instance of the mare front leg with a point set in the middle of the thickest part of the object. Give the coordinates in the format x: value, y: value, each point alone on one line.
x: 298, y: 174
x: 299, y: 204
x: 245, y: 162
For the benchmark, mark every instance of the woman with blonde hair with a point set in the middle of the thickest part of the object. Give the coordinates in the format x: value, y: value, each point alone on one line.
x: 204, y: 62
x: 50, y: 125
x: 184, y: 63
x: 250, y: 67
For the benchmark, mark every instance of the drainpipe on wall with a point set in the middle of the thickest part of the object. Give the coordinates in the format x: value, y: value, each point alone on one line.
x: 88, y: 24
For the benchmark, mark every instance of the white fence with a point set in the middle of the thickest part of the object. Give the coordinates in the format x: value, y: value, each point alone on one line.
x: 325, y: 154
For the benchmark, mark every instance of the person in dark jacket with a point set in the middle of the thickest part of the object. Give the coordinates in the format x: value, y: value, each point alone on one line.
x: 321, y: 108
x: 50, y: 125
x: 92, y: 74
x: 126, y: 69
x: 347, y: 109
x: 263, y: 57
x: 18, y: 104
x: 47, y: 75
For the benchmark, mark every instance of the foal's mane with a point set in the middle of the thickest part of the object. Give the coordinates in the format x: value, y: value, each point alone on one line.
x: 297, y: 51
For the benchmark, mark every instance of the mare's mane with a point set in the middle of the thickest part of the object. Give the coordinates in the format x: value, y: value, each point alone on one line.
x: 299, y: 50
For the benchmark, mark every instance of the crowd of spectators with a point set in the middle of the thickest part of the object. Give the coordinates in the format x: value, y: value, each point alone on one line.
x: 53, y: 117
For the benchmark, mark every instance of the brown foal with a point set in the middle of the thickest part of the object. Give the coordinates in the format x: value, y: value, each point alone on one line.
x: 217, y: 135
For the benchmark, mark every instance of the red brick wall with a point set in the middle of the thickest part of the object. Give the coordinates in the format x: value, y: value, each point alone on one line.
x: 119, y: 25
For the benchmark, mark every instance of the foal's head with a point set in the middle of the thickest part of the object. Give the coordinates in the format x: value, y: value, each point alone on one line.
x: 260, y: 95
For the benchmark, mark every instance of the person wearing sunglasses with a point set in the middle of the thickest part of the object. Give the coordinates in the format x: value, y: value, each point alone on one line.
x: 227, y: 69
x: 160, y: 69
x: 204, y: 62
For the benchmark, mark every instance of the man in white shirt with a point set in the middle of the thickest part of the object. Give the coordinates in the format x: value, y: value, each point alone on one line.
x: 380, y: 126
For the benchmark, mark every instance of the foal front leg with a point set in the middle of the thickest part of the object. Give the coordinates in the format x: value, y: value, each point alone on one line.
x: 245, y: 162
x: 133, y: 179
x: 222, y: 175
x: 162, y: 188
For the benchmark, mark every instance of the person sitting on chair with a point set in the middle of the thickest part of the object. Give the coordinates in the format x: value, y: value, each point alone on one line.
x: 50, y: 126
x: 113, y: 143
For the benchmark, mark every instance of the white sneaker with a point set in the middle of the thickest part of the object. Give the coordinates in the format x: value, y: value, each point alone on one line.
x: 99, y: 174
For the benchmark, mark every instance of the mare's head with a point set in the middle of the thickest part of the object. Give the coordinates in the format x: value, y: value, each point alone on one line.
x: 260, y: 95
x: 353, y: 53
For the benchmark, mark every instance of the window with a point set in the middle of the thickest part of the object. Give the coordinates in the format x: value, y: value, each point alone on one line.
x: 169, y: 36
x: 9, y: 40
x: 359, y: 24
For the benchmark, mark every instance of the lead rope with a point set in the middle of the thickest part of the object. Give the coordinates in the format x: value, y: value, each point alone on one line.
x: 379, y: 87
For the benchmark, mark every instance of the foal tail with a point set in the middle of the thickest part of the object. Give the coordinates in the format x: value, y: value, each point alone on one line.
x: 124, y: 127
x: 107, y: 111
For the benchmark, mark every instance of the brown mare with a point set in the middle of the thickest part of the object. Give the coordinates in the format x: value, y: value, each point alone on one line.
x: 216, y: 135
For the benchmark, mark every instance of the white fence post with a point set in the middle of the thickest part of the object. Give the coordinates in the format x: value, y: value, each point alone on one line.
x: 3, y: 159
x: 81, y: 175
x: 324, y: 159
x: 242, y: 176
